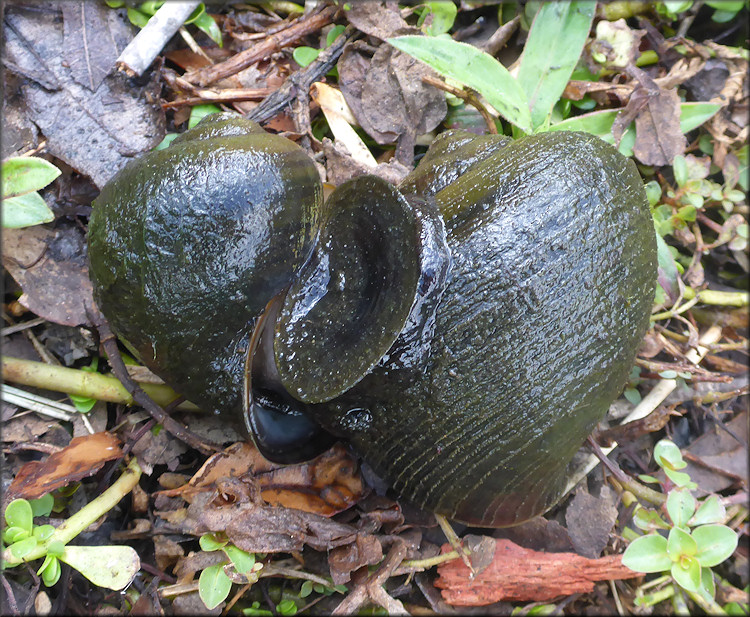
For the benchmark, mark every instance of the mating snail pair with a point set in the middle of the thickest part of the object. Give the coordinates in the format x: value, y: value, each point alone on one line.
x: 464, y: 331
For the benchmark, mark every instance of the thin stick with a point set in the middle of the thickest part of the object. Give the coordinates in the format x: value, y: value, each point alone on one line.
x: 271, y: 44
x: 148, y: 43
x: 468, y: 96
x: 109, y: 343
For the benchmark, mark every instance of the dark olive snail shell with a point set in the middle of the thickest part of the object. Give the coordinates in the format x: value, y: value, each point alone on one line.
x: 464, y: 332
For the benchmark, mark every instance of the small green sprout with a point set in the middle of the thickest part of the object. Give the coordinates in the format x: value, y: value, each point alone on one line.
x: 215, y: 583
x: 690, y: 540
x: 22, y: 177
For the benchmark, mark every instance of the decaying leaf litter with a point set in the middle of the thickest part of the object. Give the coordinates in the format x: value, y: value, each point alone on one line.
x: 325, y: 535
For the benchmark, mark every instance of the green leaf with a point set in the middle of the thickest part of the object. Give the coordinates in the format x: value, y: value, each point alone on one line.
x: 599, y: 123
x: 708, y: 585
x: 692, y: 115
x: 305, y: 55
x: 207, y: 24
x: 168, y: 139
x: 214, y: 586
x: 18, y: 513
x: 473, y: 68
x: 632, y: 395
x: 679, y: 166
x: 209, y: 542
x: 443, y: 16
x: 306, y: 589
x: 14, y: 534
x: 653, y: 192
x: 680, y: 479
x: 50, y: 570
x: 715, y: 543
x: 137, y: 18
x: 333, y: 34
x: 551, y: 52
x: 83, y: 404
x: 647, y: 554
x: 667, y: 275
x: 55, y: 548
x: 286, y: 607
x: 242, y: 560
x: 20, y: 549
x: 43, y: 532
x: 25, y: 174
x: 198, y: 112
x: 680, y: 507
x: 667, y: 454
x: 680, y: 544
x: 113, y: 567
x: 43, y: 505
x: 648, y: 520
x: 25, y: 211
x: 687, y: 573
x: 710, y: 511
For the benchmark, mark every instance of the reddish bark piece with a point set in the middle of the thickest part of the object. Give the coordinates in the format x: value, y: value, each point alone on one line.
x: 83, y: 457
x: 522, y: 575
x: 326, y: 485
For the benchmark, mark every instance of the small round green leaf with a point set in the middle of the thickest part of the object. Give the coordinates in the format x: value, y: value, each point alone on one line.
x: 242, y: 560
x: 26, y: 174
x: 19, y: 514
x: 648, y: 520
x: 43, y: 505
x: 710, y: 511
x: 209, y: 542
x: 647, y: 554
x: 667, y: 454
x: 20, y: 549
x: 680, y: 507
x: 687, y: 573
x: 286, y: 607
x: 305, y: 55
x: 14, y: 534
x: 43, y: 532
x: 714, y: 544
x: 680, y: 544
x: 214, y: 586
x: 50, y: 571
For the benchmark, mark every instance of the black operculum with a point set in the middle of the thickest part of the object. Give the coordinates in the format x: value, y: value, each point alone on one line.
x: 279, y: 425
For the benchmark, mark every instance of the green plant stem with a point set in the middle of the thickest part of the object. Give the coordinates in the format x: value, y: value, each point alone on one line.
x: 710, y: 606
x: 82, y: 383
x: 426, y: 564
x: 719, y: 298
x: 86, y: 515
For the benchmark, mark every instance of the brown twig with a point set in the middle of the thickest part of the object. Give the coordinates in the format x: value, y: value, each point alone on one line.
x: 198, y: 96
x: 371, y: 589
x: 109, y: 344
x: 468, y: 96
x: 273, y: 43
x: 501, y: 36
x: 298, y: 84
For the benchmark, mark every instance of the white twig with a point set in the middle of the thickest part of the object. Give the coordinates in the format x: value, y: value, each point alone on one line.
x: 148, y: 43
x: 39, y: 404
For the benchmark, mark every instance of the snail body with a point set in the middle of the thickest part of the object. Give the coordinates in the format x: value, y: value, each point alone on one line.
x: 464, y: 332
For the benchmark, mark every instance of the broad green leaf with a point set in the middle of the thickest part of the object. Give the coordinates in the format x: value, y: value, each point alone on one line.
x: 15, y: 534
x: 25, y: 174
x: 692, y: 115
x: 207, y: 24
x: 20, y: 549
x: 710, y: 511
x: 680, y: 544
x: 647, y: 554
x: 714, y: 543
x: 198, y: 112
x: 687, y: 573
x: 209, y: 542
x: 18, y: 513
x: 43, y: 505
x: 680, y: 506
x: 168, y: 139
x: 443, y: 16
x: 214, y: 586
x: 25, y: 211
x: 599, y: 123
x: 242, y: 560
x: 43, y: 532
x: 305, y: 55
x: 286, y: 607
x: 708, y: 585
x: 679, y: 166
x: 473, y: 68
x: 113, y: 567
x: 333, y: 34
x: 551, y: 52
x: 137, y: 18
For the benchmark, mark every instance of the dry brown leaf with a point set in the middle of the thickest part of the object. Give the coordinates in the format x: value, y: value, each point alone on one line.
x: 83, y: 457
x: 522, y: 575
x: 50, y: 266
x: 326, y: 485
x: 366, y: 550
x: 589, y: 520
x: 381, y: 19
